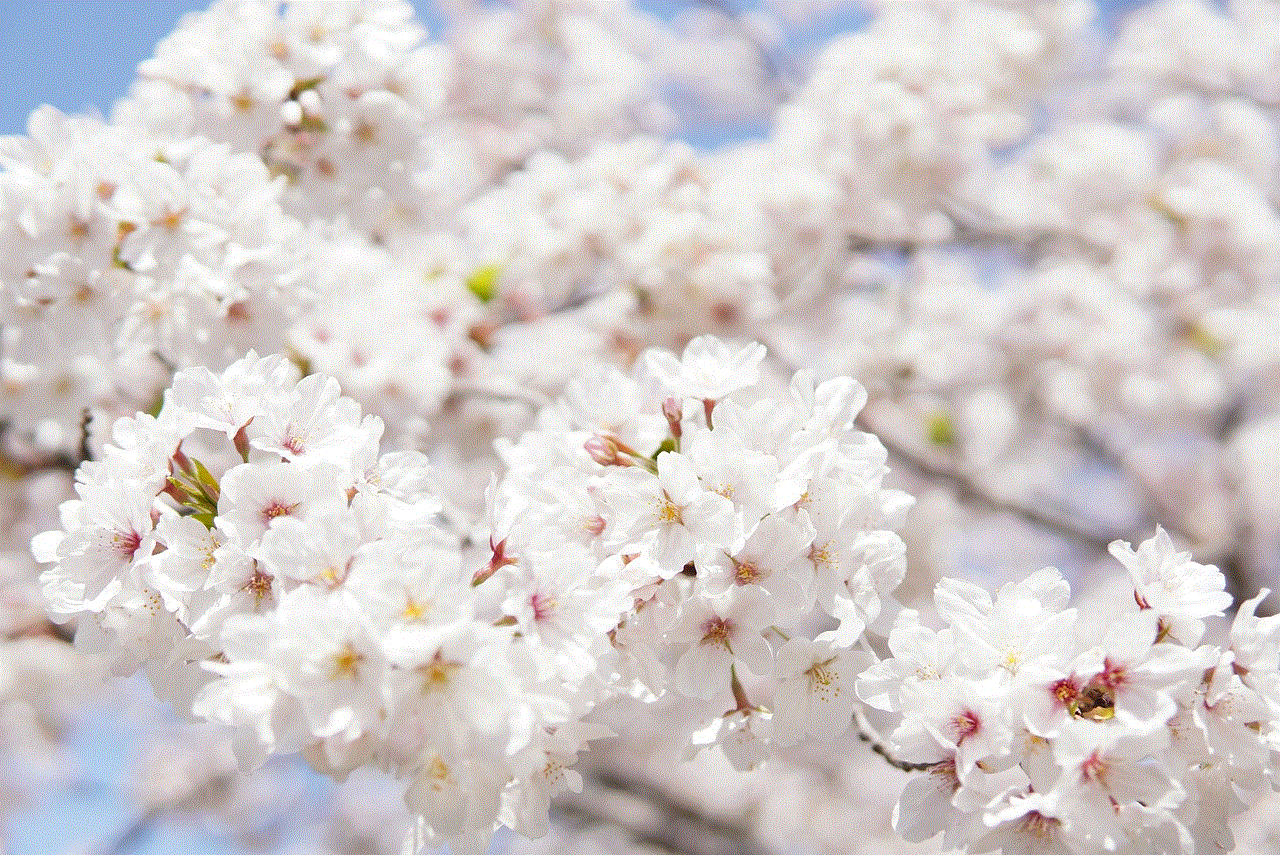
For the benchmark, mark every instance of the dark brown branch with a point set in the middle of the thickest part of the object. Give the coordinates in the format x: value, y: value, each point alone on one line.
x: 61, y: 631
x: 14, y: 467
x: 65, y: 632
x: 1238, y: 583
x: 890, y: 759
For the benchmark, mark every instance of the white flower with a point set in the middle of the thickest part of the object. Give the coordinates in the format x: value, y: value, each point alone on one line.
x: 743, y: 736
x: 253, y: 496
x: 1179, y: 590
x: 774, y: 558
x: 555, y: 596
x: 311, y: 421
x: 918, y: 653
x: 188, y: 558
x: 1110, y: 788
x: 962, y: 719
x: 1230, y: 714
x: 226, y: 402
x: 319, y: 548
x: 1025, y: 823
x: 720, y: 632
x: 106, y: 532
x: 816, y: 693
x: 707, y: 370
x: 725, y: 466
x: 1022, y: 632
x: 456, y: 689
x: 544, y: 771
x: 455, y: 795
x: 1255, y: 641
x: 1143, y: 681
x: 666, y: 516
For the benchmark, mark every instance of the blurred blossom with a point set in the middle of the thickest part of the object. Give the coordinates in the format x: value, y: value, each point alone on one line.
x: 471, y: 455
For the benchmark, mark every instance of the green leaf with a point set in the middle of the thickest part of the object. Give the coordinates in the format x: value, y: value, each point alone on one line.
x: 179, y: 485
x: 1204, y: 341
x: 119, y: 262
x: 303, y: 85
x: 484, y: 282
x: 941, y: 431
x: 206, y: 482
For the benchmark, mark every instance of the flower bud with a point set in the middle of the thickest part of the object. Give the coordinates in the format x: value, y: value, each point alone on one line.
x: 673, y: 410
x: 603, y: 450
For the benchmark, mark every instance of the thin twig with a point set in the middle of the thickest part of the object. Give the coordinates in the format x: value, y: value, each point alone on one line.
x: 131, y: 835
x: 15, y: 467
x: 782, y: 82
x: 654, y: 818
x: 496, y: 392
x: 970, y: 489
x: 869, y: 735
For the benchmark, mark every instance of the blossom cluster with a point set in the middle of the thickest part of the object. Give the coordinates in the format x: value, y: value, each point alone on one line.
x: 273, y: 573
x: 1039, y: 736
x: 250, y: 548
x: 752, y: 531
x: 1051, y: 256
x: 125, y: 253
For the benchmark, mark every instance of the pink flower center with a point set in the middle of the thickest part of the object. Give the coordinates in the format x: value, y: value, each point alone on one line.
x: 542, y: 605
x: 277, y: 509
x: 1037, y: 825
x: 126, y: 543
x: 1113, y: 675
x: 717, y: 631
x: 965, y: 724
x: 1065, y: 690
x: 1093, y: 769
x: 293, y: 441
x: 259, y: 585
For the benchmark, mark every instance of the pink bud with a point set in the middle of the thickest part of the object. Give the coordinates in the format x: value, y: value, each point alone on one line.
x: 603, y: 450
x: 241, y: 441
x: 673, y: 409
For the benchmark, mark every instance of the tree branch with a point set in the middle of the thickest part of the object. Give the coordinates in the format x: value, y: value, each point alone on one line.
x: 653, y: 817
x: 733, y: 16
x: 871, y: 736
x: 1232, y: 564
x: 15, y: 467
x: 971, y: 490
x: 130, y: 836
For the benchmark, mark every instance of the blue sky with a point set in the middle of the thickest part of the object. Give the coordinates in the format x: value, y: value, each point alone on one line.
x: 77, y: 56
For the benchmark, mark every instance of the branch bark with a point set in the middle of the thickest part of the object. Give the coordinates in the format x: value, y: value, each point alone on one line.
x: 869, y: 735
x: 968, y: 488
x: 654, y: 818
x: 1233, y: 564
